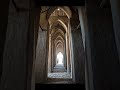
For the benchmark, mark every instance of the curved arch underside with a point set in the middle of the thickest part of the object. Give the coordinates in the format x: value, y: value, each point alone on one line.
x: 65, y: 9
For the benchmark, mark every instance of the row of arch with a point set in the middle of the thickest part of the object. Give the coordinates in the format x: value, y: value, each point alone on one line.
x: 59, y: 36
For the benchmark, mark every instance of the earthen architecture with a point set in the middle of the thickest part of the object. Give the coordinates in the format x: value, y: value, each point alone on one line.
x: 60, y: 45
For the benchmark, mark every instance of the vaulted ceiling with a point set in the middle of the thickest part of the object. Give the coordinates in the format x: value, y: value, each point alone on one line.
x: 53, y: 14
x: 55, y: 20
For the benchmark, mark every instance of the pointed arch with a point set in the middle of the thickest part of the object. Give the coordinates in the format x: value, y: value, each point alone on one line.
x: 65, y: 9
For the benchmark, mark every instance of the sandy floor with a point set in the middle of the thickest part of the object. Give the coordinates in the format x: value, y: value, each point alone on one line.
x: 59, y: 78
x: 59, y: 75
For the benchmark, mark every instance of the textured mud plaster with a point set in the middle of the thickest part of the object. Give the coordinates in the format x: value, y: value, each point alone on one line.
x: 40, y: 65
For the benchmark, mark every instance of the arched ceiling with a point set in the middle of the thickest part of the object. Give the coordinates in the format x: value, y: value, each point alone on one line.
x: 51, y: 14
x: 60, y: 38
x: 58, y: 12
x: 59, y: 43
x: 57, y: 27
x: 56, y: 34
x: 59, y: 48
x: 65, y: 9
x: 61, y: 20
x: 57, y: 19
x: 56, y: 30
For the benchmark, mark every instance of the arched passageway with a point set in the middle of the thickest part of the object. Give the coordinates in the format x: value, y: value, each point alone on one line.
x: 32, y: 36
x: 59, y: 59
x: 57, y: 32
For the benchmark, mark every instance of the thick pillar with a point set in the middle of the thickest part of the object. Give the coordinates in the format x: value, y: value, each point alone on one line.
x: 67, y: 51
x: 84, y: 28
x: 49, y: 58
x: 115, y: 8
x: 101, y: 48
x: 78, y: 57
x: 15, y: 50
x: 83, y: 23
x: 40, y: 64
x: 65, y: 59
x: 72, y: 60
x: 31, y: 80
x: 3, y: 29
x: 69, y: 42
x: 52, y: 55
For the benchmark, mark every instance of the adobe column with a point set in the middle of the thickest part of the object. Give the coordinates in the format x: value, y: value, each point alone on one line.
x: 101, y: 48
x: 115, y: 8
x: 84, y: 27
x: 15, y: 50
x: 40, y: 64
x: 49, y: 59
x: 67, y: 52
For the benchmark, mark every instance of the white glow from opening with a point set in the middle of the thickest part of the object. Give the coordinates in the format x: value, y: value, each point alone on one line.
x: 59, y: 58
x: 58, y: 9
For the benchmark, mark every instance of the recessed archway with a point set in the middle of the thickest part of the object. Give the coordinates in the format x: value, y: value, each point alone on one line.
x: 58, y: 21
x: 60, y: 58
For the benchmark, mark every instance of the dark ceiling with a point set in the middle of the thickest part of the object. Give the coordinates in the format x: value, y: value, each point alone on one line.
x: 60, y: 2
